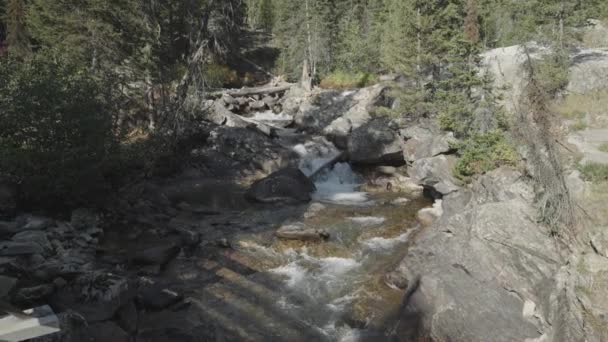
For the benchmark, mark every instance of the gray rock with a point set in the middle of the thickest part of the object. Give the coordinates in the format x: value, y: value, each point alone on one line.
x: 158, y: 255
x: 8, y: 202
x: 157, y: 296
x: 30, y: 222
x: 96, y: 296
x: 7, y: 285
x: 599, y: 242
x: 289, y: 185
x: 8, y: 228
x: 299, y: 231
x: 127, y: 317
x: 375, y: 143
x: 20, y: 248
x: 34, y: 294
x: 425, y: 141
x: 486, y: 268
x: 105, y: 332
x: 588, y: 71
x: 38, y: 237
x: 436, y: 173
x: 83, y: 219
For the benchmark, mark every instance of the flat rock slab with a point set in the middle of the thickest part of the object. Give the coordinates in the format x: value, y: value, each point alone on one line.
x: 43, y: 322
x: 589, y: 142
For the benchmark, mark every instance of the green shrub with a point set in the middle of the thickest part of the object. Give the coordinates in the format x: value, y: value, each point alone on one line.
x: 55, y: 133
x: 348, y: 80
x: 482, y: 153
x: 594, y: 172
x: 603, y: 147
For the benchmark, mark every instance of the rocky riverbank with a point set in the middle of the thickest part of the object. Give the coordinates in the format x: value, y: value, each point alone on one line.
x: 183, y: 259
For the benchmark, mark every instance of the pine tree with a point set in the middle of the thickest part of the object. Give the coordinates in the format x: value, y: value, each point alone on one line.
x: 16, y: 36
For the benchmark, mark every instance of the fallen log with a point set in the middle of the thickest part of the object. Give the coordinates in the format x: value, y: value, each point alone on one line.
x: 222, y: 116
x: 300, y: 232
x: 245, y: 92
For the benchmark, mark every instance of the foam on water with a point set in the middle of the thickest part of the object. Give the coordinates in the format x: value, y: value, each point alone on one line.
x: 378, y: 244
x: 339, y: 185
x: 293, y: 272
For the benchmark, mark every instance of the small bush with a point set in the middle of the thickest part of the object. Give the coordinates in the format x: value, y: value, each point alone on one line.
x: 348, y: 80
x: 603, y: 147
x: 55, y: 133
x: 594, y: 172
x: 484, y: 152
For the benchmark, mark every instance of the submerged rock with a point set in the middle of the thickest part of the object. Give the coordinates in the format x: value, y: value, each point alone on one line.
x: 289, y: 185
x: 299, y: 231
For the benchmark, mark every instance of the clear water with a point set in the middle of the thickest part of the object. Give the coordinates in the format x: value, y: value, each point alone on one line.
x: 341, y: 280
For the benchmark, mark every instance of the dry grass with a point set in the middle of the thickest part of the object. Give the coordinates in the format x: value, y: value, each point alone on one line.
x: 348, y: 80
x: 588, y: 110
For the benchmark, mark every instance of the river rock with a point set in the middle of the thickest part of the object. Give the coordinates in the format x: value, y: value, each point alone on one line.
x: 289, y: 185
x: 299, y: 231
x: 39, y: 238
x: 105, y: 332
x: 157, y: 255
x: 436, y: 173
x: 7, y: 285
x: 83, y: 219
x: 127, y: 317
x: 313, y: 210
x: 34, y: 294
x: 169, y: 326
x: 30, y: 222
x: 96, y: 296
x: 7, y: 228
x: 154, y: 295
x: 20, y: 248
x: 375, y: 143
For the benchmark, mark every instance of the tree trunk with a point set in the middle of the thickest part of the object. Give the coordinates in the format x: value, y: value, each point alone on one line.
x: 306, y: 76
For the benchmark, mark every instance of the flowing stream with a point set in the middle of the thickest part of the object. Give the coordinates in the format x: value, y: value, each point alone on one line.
x: 336, y: 288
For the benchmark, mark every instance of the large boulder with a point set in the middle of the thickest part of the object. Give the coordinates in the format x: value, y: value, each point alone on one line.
x: 588, y: 71
x: 357, y: 115
x: 289, y: 185
x: 487, y: 271
x: 425, y: 141
x: 97, y: 296
x: 375, y: 143
x: 435, y: 173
